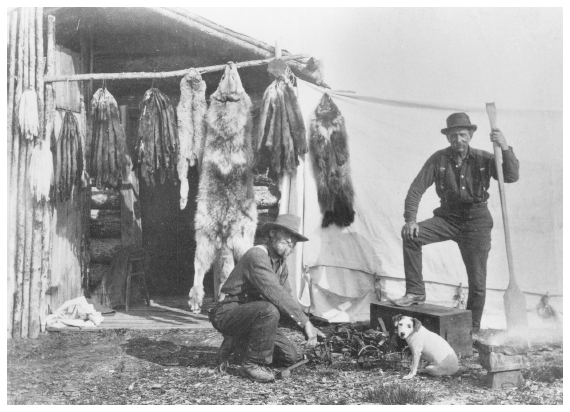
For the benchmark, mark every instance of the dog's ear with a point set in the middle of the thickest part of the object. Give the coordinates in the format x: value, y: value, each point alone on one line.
x: 417, y: 324
x: 396, y: 319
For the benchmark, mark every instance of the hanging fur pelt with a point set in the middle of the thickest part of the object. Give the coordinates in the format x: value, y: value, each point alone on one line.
x: 41, y: 171
x: 110, y: 159
x: 329, y: 150
x: 280, y: 137
x: 69, y: 158
x: 226, y: 216
x: 28, y: 114
x: 157, y: 138
x: 190, y: 115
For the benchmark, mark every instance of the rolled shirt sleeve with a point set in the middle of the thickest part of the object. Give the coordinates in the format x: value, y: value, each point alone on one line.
x: 510, y: 166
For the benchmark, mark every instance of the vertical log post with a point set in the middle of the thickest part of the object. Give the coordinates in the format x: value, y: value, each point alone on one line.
x: 38, y: 235
x: 29, y: 215
x: 285, y: 181
x: 13, y: 148
x: 49, y: 119
x: 12, y: 45
x: 131, y: 229
x: 86, y: 192
x: 21, y: 185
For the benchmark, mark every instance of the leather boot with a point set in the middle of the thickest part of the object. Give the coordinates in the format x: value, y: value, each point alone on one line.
x: 256, y: 372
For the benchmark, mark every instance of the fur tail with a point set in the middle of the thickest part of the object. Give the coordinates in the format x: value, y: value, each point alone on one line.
x: 223, y: 266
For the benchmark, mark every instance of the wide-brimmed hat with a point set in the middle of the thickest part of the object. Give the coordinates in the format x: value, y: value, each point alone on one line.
x: 458, y: 120
x: 289, y: 222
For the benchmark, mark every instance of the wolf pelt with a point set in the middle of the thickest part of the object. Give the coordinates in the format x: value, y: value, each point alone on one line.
x: 226, y: 216
x: 329, y: 150
x: 190, y: 117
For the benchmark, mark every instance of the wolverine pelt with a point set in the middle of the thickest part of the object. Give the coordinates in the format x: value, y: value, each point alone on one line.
x: 329, y: 150
x: 226, y: 216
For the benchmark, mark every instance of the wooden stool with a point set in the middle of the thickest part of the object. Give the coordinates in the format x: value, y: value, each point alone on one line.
x: 136, y: 257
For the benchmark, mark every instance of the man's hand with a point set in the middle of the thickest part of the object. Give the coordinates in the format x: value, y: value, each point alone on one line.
x: 312, y: 333
x: 498, y: 137
x: 410, y: 231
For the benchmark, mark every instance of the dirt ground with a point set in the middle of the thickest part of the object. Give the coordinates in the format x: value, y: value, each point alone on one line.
x: 178, y: 367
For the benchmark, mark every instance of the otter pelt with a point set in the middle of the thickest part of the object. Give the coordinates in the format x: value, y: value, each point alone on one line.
x: 329, y: 150
x: 226, y: 216
x: 190, y: 115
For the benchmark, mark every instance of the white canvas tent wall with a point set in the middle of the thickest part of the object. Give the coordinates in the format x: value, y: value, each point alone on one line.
x: 389, y: 142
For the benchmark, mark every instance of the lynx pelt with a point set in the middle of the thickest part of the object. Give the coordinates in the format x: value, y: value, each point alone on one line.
x: 226, y: 216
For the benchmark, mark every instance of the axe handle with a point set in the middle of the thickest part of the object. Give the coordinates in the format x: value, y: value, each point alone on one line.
x: 296, y: 365
x: 492, y: 113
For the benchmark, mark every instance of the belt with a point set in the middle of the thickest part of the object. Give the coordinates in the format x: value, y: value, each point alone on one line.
x: 464, y: 206
x: 241, y: 298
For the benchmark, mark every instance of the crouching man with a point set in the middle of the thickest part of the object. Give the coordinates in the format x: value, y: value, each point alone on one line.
x: 462, y: 177
x: 257, y: 293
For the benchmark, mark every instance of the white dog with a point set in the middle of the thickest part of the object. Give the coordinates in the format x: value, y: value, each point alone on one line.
x: 426, y: 345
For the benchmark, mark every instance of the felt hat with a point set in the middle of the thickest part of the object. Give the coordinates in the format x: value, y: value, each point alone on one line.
x: 458, y: 120
x: 288, y: 222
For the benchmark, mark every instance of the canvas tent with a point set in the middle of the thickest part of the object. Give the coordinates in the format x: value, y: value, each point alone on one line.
x: 389, y: 141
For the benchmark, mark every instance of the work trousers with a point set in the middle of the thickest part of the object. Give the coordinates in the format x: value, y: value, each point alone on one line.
x: 468, y: 226
x: 255, y: 325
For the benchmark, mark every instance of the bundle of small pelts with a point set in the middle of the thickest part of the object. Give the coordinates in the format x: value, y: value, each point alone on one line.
x: 110, y: 160
x: 280, y: 134
x: 28, y: 114
x: 69, y: 158
x: 41, y: 171
x: 157, y: 138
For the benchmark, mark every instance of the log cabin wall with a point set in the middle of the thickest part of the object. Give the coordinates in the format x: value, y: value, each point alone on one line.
x: 49, y: 243
x: 68, y: 255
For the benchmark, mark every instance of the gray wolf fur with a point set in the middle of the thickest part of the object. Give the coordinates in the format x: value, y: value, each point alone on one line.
x: 226, y: 216
x: 426, y: 345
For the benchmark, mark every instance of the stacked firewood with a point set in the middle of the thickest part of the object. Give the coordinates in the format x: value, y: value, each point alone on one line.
x: 157, y: 136
x: 69, y: 158
x: 110, y: 160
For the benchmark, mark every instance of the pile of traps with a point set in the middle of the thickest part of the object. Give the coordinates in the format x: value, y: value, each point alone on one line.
x: 368, y: 347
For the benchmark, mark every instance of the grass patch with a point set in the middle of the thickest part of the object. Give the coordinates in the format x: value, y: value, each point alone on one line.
x: 398, y: 394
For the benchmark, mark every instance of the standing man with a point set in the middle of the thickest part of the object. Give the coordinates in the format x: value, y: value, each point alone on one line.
x: 257, y: 293
x: 462, y: 175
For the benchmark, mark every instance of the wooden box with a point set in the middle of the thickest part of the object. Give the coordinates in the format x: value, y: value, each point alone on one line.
x: 454, y: 325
